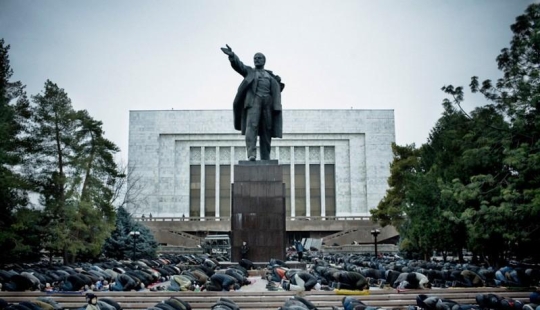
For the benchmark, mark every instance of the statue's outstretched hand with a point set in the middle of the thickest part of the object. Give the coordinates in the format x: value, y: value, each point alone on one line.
x: 227, y: 50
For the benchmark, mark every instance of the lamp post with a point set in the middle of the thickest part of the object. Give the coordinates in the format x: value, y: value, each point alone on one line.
x: 375, y: 233
x: 135, y: 235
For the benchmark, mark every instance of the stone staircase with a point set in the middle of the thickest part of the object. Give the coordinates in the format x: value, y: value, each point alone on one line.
x: 360, y: 234
x: 323, y: 300
x: 177, y: 238
x: 340, y: 236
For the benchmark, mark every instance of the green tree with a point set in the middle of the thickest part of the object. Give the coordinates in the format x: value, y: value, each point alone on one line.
x: 442, y: 159
x: 509, y: 213
x: 27, y: 231
x: 517, y: 93
x: 391, y: 209
x: 14, y: 113
x: 75, y: 173
x: 94, y: 182
x: 121, y: 244
x: 413, y: 202
x: 421, y: 196
x: 53, y: 138
x: 409, y: 201
x: 479, y: 173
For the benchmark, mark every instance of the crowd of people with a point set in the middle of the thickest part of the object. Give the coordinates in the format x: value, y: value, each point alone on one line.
x: 198, y: 272
x: 360, y: 272
x: 169, y: 272
x: 203, y: 272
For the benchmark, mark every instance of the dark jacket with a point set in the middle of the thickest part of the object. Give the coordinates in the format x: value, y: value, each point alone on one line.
x: 309, y: 280
x: 124, y: 283
x: 351, y: 278
x: 224, y: 281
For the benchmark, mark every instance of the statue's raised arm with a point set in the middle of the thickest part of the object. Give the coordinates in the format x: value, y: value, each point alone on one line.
x: 236, y: 64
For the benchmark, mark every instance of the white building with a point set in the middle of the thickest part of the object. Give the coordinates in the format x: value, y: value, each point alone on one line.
x: 335, y: 162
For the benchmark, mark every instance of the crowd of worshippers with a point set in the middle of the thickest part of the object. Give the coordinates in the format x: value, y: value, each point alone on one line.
x: 325, y: 272
x: 360, y: 272
x: 169, y: 272
x: 482, y: 302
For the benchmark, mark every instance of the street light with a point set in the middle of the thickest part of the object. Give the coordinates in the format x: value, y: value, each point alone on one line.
x: 375, y: 233
x: 135, y: 235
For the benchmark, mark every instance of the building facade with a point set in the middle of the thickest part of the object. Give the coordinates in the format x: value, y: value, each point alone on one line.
x: 335, y: 162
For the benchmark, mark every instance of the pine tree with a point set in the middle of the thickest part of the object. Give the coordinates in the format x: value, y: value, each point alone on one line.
x: 14, y: 112
x: 121, y: 244
x: 75, y: 174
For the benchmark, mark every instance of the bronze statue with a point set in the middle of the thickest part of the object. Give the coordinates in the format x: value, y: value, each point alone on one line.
x: 257, y: 104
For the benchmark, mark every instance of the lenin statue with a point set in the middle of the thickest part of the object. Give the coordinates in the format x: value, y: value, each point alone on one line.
x: 257, y: 104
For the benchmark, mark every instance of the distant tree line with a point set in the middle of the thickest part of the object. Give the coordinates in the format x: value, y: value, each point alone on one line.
x: 475, y: 184
x: 60, y: 156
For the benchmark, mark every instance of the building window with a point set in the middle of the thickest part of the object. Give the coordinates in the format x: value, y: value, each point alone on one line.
x: 224, y: 190
x: 315, y: 189
x: 210, y: 190
x: 195, y: 190
x: 330, y: 189
x: 300, y: 189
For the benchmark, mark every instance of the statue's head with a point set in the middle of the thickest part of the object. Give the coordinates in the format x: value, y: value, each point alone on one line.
x: 259, y: 59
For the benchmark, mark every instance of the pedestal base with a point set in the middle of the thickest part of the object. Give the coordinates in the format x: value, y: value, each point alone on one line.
x: 258, y: 211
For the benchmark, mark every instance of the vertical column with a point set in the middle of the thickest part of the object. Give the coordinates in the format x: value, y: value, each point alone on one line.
x: 308, y: 189
x: 293, y: 200
x: 232, y: 164
x: 217, y: 181
x: 323, y: 185
x: 203, y: 183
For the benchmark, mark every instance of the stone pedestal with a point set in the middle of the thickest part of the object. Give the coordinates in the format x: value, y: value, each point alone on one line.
x: 258, y: 210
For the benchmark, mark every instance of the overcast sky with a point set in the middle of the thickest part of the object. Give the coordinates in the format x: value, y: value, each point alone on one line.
x: 115, y: 56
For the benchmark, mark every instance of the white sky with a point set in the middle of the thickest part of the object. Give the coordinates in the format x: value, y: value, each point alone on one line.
x: 116, y: 56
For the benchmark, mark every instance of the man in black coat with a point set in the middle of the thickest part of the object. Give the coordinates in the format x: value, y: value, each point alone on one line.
x: 18, y: 283
x: 244, y: 249
x: 300, y: 281
x: 75, y: 282
x: 124, y: 283
x: 257, y: 104
x: 222, y: 282
x: 350, y: 280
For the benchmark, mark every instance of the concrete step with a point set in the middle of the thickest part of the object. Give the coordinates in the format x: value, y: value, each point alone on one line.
x: 255, y: 296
